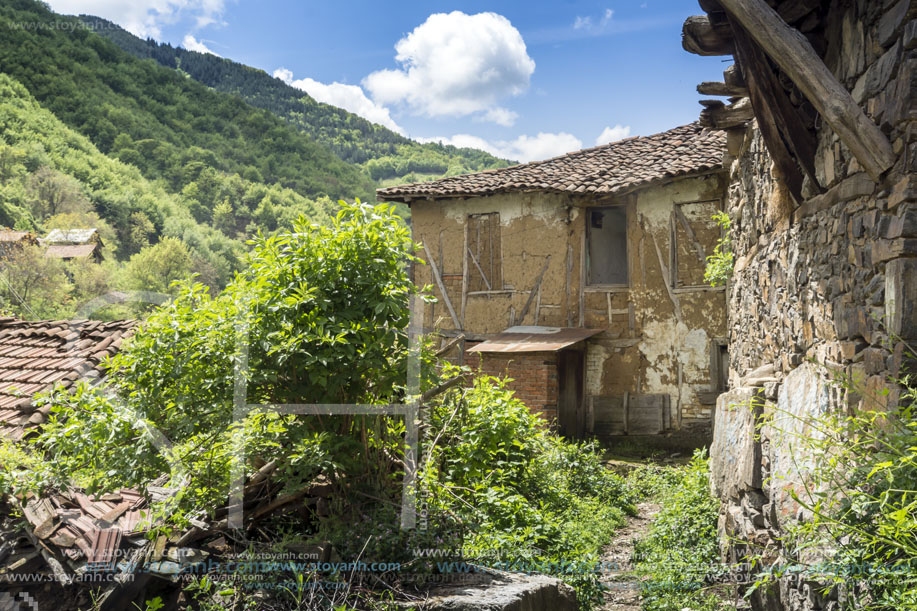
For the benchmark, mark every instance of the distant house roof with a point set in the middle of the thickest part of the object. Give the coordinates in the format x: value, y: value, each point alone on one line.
x: 36, y: 355
x: 608, y: 169
x: 70, y: 251
x: 8, y: 235
x: 72, y: 236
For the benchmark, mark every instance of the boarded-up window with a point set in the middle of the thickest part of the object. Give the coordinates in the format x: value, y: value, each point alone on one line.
x: 485, y: 268
x: 695, y: 234
x: 606, y: 236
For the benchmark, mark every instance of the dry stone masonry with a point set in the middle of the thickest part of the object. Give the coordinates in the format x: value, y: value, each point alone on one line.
x: 825, y: 282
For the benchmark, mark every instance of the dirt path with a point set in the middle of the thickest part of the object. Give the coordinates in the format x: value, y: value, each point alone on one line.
x: 623, y: 588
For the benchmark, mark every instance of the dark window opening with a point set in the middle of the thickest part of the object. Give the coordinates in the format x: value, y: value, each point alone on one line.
x: 606, y: 238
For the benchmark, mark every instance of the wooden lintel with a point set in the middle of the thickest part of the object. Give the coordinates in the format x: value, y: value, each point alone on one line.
x: 790, y: 50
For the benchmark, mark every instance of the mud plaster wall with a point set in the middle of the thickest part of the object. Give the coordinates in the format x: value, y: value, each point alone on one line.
x: 655, y: 340
x: 833, y: 283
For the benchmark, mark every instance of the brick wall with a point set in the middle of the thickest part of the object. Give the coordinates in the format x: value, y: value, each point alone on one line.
x: 534, y: 377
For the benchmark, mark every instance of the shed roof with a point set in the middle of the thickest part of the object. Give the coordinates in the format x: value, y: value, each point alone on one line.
x: 535, y: 339
x: 608, y: 169
x: 35, y: 355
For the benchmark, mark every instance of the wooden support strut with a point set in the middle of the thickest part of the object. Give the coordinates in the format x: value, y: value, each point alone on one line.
x: 442, y: 288
x: 792, y: 52
x: 534, y: 290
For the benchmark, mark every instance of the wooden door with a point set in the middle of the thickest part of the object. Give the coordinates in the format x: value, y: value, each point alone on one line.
x: 571, y: 408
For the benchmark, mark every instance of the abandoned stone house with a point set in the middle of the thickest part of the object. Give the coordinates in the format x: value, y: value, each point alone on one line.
x: 582, y: 278
x: 822, y: 152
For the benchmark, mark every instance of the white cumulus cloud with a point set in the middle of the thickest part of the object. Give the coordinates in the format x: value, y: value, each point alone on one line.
x: 524, y: 148
x: 193, y: 44
x: 349, y: 97
x: 144, y: 17
x: 610, y: 134
x: 455, y: 64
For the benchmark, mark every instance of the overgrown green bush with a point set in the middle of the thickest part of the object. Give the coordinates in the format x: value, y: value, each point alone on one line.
x: 524, y: 498
x: 720, y: 263
x: 680, y: 550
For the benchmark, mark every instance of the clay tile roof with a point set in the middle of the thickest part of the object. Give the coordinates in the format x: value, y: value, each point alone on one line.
x: 68, y: 251
x: 37, y: 355
x: 607, y: 169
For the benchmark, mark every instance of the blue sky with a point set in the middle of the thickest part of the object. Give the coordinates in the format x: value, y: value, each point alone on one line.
x: 522, y: 80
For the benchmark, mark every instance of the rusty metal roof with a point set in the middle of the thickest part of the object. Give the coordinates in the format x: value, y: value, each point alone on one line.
x: 535, y: 339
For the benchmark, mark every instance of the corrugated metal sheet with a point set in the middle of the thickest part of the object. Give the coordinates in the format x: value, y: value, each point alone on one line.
x: 535, y: 339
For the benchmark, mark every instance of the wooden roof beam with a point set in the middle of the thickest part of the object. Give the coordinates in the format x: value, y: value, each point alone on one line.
x: 701, y: 37
x: 792, y: 52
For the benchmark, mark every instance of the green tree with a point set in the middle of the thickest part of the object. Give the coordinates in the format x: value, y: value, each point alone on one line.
x: 156, y: 267
x: 35, y: 286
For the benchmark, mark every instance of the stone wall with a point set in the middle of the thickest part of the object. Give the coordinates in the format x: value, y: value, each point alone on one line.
x: 820, y: 287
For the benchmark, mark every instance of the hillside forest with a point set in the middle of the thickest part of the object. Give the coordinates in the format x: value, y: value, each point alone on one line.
x: 177, y: 158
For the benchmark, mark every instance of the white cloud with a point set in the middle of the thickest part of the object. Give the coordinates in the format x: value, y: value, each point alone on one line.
x: 582, y: 22
x: 523, y: 148
x: 610, y: 134
x: 456, y: 65
x: 348, y: 97
x: 193, y: 44
x: 144, y: 17
x: 500, y: 116
x: 593, y: 27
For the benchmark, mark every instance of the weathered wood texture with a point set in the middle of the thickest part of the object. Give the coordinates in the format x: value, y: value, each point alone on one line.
x: 794, y: 54
x: 701, y: 37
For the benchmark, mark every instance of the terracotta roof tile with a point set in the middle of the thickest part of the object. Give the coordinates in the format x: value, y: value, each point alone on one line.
x: 608, y: 169
x: 35, y: 355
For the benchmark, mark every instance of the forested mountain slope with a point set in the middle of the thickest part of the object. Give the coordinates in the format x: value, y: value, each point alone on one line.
x: 382, y: 152
x: 169, y: 126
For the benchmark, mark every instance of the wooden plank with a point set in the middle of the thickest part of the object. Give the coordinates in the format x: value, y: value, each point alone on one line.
x: 794, y: 54
x: 582, y: 277
x: 534, y: 290
x: 480, y: 271
x: 442, y: 288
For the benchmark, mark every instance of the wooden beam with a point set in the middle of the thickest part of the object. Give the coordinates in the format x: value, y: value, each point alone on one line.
x: 478, y: 266
x: 715, y: 88
x: 535, y: 288
x: 698, y: 247
x: 771, y: 97
x: 442, y: 288
x: 756, y: 74
x: 719, y: 116
x: 464, y: 271
x: 701, y: 37
x: 792, y: 52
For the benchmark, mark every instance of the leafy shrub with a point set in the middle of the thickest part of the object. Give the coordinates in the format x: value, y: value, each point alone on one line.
x: 525, y: 499
x: 719, y: 264
x: 681, y: 547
